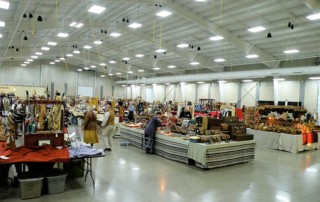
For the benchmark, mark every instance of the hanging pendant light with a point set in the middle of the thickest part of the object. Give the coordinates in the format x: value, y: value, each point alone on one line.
x: 39, y: 18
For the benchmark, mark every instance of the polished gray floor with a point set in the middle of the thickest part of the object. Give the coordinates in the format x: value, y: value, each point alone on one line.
x: 128, y: 174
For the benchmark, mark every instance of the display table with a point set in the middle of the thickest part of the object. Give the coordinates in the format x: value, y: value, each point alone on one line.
x: 281, y: 141
x: 205, y: 155
x: 222, y: 154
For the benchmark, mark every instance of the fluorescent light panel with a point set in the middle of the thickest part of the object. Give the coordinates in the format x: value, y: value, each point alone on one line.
x: 130, y: 72
x: 141, y: 70
x: 4, y: 5
x: 278, y: 79
x: 63, y: 35
x: 96, y: 9
x: 79, y: 70
x: 171, y: 66
x: 110, y: 74
x: 247, y: 80
x: 34, y: 56
x: 97, y: 42
x: 252, y: 56
x: 135, y: 25
x: 115, y: 34
x: 51, y: 43
x: 194, y: 63
x: 219, y: 60
x: 183, y: 45
x: 29, y: 60
x: 38, y: 53
x: 156, y: 68
x: 126, y: 58
x: 216, y: 38
x: 69, y: 55
x: 291, y: 51
x: 163, y: 13
x: 112, y: 62
x: 103, y: 64
x: 76, y: 51
x: 314, y: 78
x: 0, y: 35
x: 86, y: 68
x: 45, y: 48
x: 93, y: 66
x: 139, y: 55
x: 256, y: 29
x: 160, y: 50
x: 87, y: 47
x: 23, y: 65
x: 2, y: 24
x: 118, y: 73
x: 102, y: 75
x: 315, y: 16
x: 200, y: 82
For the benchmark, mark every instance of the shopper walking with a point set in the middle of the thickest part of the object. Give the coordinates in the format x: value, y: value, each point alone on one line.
x: 150, y: 132
x: 89, y: 126
x: 131, y: 112
x: 108, y: 128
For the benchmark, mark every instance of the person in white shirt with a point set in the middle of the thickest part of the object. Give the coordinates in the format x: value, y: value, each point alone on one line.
x: 108, y: 128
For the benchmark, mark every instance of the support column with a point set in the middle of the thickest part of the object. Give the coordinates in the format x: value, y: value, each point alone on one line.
x: 209, y: 90
x: 196, y: 89
x: 65, y: 89
x: 302, y: 92
x: 101, y: 91
x: 258, y: 86
x: 276, y: 92
x: 52, y: 90
x: 238, y: 104
x: 174, y: 92
x: 94, y: 83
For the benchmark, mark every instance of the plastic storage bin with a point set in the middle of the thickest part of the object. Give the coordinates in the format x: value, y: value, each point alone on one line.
x: 30, y: 187
x: 56, y: 180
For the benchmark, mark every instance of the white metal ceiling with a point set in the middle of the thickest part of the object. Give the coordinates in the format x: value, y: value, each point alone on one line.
x: 191, y: 22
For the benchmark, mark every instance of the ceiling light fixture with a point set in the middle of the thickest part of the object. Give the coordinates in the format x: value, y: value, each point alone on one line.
x: 135, y: 25
x: 278, y: 79
x: 171, y: 66
x: 93, y: 66
x: 200, y: 1
x: 69, y: 55
x: 269, y: 35
x: 87, y: 47
x: 314, y: 78
x: 256, y: 29
x: 222, y: 81
x: 130, y: 72
x: 139, y: 55
x: 2, y: 24
x: 51, y: 43
x: 194, y: 63
x: 219, y: 60
x: 118, y: 73
x: 163, y: 13
x: 141, y: 70
x: 123, y: 85
x: 200, y: 82
x: 126, y: 58
x: 29, y: 60
x: 160, y: 50
x: 52, y: 63
x: 252, y: 56
x: 102, y: 64
x: 156, y: 68
x: 39, y: 18
x: 86, y: 68
x: 291, y: 51
x: 167, y: 83
x: 96, y: 9
x: 34, y: 56
x: 115, y: 34
x: 183, y: 45
x: 102, y: 75
x: 110, y: 74
x: 4, y: 5
x: 315, y: 16
x: 38, y: 53
x: 97, y: 42
x: 247, y: 80
x: 57, y: 60
x: 62, y: 58
x: 63, y: 35
x: 76, y: 24
x: 79, y: 70
x: 0, y: 35
x: 216, y: 38
x: 23, y: 65
x: 76, y: 51
x: 26, y: 62
x: 112, y: 62
x: 45, y: 48
x: 25, y: 38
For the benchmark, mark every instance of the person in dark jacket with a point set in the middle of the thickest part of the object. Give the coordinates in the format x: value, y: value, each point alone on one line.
x: 150, y: 132
x: 185, y: 114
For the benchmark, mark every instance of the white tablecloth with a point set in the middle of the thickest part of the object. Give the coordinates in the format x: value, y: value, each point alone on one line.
x: 281, y: 141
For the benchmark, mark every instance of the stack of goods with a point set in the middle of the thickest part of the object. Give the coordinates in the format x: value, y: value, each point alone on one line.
x: 249, y: 118
x: 2, y: 131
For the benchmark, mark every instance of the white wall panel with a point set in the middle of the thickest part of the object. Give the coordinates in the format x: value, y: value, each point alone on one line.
x: 311, y: 94
x: 215, y: 93
x: 158, y: 91
x: 229, y: 92
x: 189, y: 92
x: 143, y: 91
x: 203, y: 91
x: 135, y: 91
x: 289, y: 90
x: 248, y: 94
x: 149, y: 94
x: 178, y: 93
x: 266, y: 90
x: 169, y: 92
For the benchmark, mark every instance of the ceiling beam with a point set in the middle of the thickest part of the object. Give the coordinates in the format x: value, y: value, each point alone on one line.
x: 204, y: 62
x: 244, y: 46
x: 313, y: 4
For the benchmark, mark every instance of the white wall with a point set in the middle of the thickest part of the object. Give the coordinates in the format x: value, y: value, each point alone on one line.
x: 215, y: 93
x: 40, y: 73
x: 266, y: 90
x: 248, y: 94
x: 311, y: 94
x: 203, y: 91
x: 228, y: 92
x: 289, y: 90
x: 170, y: 92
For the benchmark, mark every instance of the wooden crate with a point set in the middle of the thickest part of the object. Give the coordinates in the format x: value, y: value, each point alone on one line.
x: 32, y: 139
x: 242, y: 137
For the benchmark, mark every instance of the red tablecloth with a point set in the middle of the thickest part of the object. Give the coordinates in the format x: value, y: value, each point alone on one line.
x: 26, y: 154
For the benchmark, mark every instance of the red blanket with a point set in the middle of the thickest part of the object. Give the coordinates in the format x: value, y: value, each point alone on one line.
x: 26, y: 154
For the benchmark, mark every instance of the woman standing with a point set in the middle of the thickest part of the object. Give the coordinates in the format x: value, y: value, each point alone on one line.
x: 89, y: 126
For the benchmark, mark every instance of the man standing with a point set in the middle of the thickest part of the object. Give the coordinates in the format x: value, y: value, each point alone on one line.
x: 150, y: 132
x: 131, y: 112
x: 108, y: 128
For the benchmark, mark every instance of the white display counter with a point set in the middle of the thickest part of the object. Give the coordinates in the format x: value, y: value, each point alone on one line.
x: 281, y: 141
x: 205, y: 155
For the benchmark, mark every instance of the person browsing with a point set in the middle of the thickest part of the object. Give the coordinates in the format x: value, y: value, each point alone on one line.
x: 108, y: 128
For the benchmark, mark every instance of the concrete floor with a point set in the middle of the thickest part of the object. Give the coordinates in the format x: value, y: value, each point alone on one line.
x: 128, y: 174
